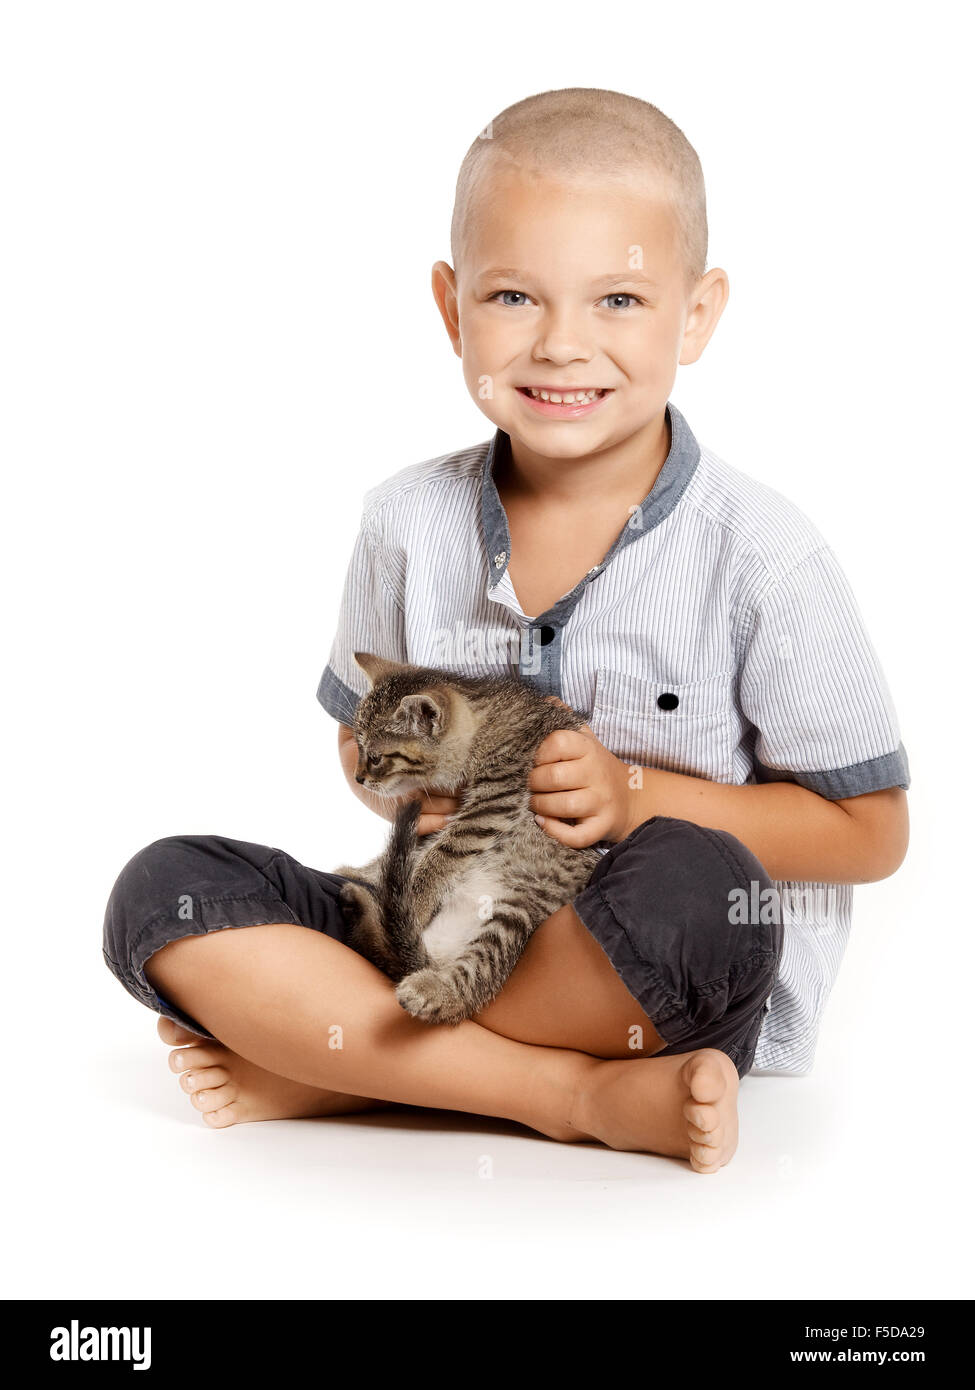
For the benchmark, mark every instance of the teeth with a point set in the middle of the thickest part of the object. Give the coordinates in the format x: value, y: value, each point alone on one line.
x: 566, y: 397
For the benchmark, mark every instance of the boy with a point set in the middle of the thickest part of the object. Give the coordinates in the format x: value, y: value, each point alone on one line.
x: 742, y: 752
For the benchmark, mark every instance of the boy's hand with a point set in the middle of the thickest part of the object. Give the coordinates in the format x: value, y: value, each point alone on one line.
x: 583, y: 788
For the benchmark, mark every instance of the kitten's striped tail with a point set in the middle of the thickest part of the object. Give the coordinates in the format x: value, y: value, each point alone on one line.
x: 399, y: 852
x: 395, y: 898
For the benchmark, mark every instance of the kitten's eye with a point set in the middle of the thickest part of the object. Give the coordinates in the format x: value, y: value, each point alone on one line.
x: 373, y: 760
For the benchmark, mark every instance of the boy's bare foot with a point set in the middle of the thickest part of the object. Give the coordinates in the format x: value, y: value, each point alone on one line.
x: 685, y: 1106
x: 229, y: 1090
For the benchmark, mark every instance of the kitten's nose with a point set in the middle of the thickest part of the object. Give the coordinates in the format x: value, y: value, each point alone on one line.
x: 360, y: 777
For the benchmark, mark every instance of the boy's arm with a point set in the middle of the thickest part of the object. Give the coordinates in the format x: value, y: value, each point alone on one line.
x: 797, y: 834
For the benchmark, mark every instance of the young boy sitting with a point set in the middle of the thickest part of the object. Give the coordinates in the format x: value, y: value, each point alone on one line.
x: 741, y: 768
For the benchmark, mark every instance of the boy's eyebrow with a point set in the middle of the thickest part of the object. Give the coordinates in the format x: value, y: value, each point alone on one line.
x: 500, y: 272
x: 608, y: 281
x: 504, y: 272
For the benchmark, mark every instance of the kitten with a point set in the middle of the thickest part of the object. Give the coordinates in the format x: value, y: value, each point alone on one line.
x: 447, y: 915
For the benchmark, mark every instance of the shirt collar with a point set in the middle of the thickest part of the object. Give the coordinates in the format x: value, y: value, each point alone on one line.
x: 660, y: 501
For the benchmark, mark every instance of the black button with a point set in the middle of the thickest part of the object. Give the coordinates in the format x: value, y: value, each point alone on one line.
x: 545, y: 635
x: 668, y: 700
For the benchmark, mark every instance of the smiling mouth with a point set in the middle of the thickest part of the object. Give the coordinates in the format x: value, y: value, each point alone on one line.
x: 579, y: 395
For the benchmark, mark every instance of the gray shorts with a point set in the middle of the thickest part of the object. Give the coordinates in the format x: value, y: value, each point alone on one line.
x: 659, y: 903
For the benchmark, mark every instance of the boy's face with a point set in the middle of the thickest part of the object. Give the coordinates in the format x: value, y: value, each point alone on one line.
x: 575, y: 285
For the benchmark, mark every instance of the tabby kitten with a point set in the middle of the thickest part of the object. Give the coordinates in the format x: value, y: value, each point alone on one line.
x: 447, y: 915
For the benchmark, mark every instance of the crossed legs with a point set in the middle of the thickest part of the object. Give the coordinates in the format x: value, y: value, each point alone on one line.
x: 308, y: 1027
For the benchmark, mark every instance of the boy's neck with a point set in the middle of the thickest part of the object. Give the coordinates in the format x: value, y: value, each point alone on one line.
x: 627, y: 470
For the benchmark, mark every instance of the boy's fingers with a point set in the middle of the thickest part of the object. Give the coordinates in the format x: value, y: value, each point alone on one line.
x: 561, y: 745
x: 561, y: 804
x: 561, y: 776
x: 575, y: 836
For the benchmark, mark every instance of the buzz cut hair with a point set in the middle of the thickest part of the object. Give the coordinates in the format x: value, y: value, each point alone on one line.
x: 585, y: 132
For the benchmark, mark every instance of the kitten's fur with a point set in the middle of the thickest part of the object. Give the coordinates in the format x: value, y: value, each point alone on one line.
x: 448, y: 914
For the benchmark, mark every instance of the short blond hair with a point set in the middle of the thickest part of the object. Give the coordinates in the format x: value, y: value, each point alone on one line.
x: 586, y: 130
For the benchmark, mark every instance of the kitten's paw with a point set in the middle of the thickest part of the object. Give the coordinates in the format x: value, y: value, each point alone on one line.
x: 432, y: 997
x: 356, y: 904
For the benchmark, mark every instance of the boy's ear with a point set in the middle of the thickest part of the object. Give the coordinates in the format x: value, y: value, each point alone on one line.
x: 444, y: 284
x: 710, y: 297
x: 377, y: 667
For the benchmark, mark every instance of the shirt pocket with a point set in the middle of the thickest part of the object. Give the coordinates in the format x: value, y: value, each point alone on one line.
x: 679, y: 726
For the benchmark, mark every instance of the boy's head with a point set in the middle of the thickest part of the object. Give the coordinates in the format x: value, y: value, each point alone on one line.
x: 588, y: 136
x: 579, y: 240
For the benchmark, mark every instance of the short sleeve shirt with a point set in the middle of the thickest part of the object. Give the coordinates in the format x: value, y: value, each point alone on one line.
x: 718, y: 638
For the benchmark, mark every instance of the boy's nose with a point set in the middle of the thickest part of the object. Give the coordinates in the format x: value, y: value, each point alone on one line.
x: 561, y: 343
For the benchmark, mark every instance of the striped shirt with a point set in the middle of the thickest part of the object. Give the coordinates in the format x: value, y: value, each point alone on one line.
x: 718, y: 638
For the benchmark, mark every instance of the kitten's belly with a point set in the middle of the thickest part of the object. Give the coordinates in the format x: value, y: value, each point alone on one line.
x: 464, y: 915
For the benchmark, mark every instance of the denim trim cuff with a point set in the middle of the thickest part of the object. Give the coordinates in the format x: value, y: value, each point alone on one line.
x: 874, y: 775
x: 336, y: 697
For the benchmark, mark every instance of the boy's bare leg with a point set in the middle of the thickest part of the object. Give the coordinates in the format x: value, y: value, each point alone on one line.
x: 272, y: 994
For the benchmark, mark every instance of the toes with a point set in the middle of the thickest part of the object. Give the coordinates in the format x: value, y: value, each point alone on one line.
x: 708, y: 1074
x: 172, y: 1032
x: 220, y: 1119
x: 705, y: 1160
x: 701, y: 1117
x: 706, y: 1137
x: 209, y: 1101
x: 185, y: 1058
x: 709, y: 1110
x: 204, y: 1080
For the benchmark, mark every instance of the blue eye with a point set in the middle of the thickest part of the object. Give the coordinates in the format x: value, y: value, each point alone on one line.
x: 514, y: 299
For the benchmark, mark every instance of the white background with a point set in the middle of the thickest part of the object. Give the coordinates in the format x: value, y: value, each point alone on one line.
x: 217, y: 332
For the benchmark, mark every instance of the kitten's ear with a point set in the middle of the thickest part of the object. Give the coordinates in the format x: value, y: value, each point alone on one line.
x: 376, y: 667
x: 420, y: 714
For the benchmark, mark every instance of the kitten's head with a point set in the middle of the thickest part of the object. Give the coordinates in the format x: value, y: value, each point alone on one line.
x: 413, y: 732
